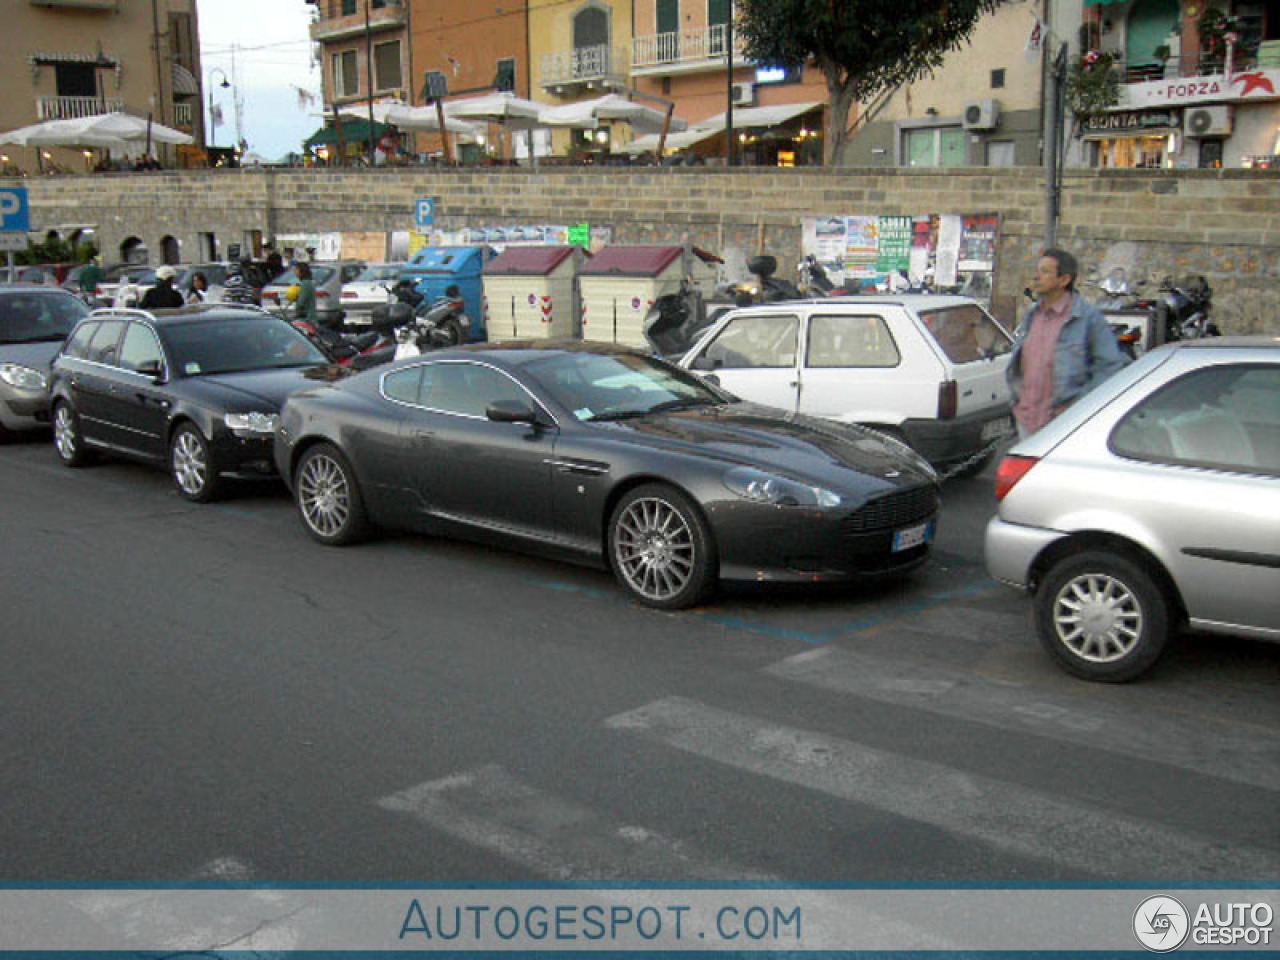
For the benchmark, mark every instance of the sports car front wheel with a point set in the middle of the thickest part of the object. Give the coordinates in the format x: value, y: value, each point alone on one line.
x: 661, y: 549
x: 328, y: 497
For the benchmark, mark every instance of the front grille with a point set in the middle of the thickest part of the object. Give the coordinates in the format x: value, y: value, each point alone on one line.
x: 893, y: 510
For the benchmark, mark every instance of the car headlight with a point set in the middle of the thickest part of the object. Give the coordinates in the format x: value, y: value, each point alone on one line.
x: 24, y: 378
x: 768, y: 488
x: 250, y: 424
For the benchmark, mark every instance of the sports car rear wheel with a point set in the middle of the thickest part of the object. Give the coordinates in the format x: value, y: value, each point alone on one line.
x: 661, y: 549
x: 328, y: 497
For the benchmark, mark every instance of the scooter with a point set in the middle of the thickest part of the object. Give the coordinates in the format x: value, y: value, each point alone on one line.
x: 1183, y: 310
x: 443, y: 324
x: 1132, y: 318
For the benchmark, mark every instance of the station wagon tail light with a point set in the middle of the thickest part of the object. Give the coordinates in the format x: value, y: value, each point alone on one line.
x: 1011, y: 470
x: 948, y: 400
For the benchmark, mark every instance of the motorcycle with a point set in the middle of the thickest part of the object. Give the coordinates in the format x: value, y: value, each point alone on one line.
x: 1183, y: 309
x: 816, y: 283
x: 1132, y: 317
x: 676, y: 320
x: 423, y: 327
x: 357, y: 351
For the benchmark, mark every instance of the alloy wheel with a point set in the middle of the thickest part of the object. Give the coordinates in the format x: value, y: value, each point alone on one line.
x: 190, y: 463
x: 654, y: 548
x: 65, y: 434
x: 324, y: 495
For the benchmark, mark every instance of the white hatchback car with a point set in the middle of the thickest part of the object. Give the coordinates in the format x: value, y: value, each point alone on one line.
x: 927, y: 369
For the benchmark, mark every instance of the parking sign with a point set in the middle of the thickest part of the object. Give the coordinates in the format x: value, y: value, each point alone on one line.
x: 424, y: 215
x: 15, y: 215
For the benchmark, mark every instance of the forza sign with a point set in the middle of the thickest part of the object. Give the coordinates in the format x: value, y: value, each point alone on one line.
x: 1239, y: 87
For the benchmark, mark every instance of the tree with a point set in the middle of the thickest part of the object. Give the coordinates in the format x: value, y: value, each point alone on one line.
x: 862, y: 47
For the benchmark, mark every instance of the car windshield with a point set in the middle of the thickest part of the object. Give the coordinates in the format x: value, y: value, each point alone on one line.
x: 226, y: 344
x: 619, y: 386
x: 379, y: 274
x: 33, y: 316
x: 319, y: 276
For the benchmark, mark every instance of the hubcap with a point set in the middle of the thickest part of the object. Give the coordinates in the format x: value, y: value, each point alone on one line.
x: 1097, y: 618
x: 654, y: 549
x: 64, y: 433
x: 323, y: 495
x: 189, y: 466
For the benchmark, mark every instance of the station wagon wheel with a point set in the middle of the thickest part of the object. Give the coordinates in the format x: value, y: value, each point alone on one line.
x: 328, y: 497
x: 191, y: 465
x: 1101, y: 616
x: 67, y: 438
x: 661, y: 549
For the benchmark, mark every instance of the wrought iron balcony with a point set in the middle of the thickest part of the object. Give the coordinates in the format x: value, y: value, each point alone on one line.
x: 683, y: 51
x: 65, y: 108
x: 584, y: 66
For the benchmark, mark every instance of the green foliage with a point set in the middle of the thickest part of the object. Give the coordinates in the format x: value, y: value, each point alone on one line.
x: 55, y: 250
x: 869, y: 45
x: 1093, y: 86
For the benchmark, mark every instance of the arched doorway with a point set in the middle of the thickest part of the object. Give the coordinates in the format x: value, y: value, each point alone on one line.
x: 170, y: 250
x: 133, y: 250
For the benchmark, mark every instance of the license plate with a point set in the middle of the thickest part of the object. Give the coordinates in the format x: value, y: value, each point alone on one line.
x: 912, y: 536
x: 997, y: 428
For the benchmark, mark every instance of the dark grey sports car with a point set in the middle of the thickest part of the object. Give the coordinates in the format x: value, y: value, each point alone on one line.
x: 608, y: 456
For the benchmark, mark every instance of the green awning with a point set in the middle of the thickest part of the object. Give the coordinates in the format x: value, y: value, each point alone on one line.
x: 353, y: 131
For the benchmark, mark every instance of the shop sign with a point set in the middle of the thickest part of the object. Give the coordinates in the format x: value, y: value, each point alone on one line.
x: 1133, y: 122
x: 1220, y: 88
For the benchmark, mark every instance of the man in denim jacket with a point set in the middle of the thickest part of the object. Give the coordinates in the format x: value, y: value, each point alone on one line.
x: 1063, y: 349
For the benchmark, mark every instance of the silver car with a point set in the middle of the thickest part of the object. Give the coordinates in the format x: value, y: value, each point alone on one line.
x: 1152, y: 503
x: 34, y: 320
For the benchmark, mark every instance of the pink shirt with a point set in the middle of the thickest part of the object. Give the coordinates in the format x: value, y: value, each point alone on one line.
x: 1035, y: 404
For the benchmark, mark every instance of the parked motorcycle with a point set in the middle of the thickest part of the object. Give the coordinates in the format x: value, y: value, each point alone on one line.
x: 357, y: 351
x: 443, y: 323
x: 1132, y: 317
x: 1183, y: 309
x: 676, y: 321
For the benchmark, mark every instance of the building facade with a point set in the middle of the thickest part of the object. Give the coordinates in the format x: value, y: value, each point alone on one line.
x: 77, y: 58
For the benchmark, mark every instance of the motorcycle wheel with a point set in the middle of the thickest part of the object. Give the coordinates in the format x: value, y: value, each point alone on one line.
x: 453, y: 329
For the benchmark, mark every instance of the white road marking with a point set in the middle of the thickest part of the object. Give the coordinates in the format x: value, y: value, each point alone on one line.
x: 1078, y: 834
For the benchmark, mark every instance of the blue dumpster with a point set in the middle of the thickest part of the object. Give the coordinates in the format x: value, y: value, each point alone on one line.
x: 432, y: 270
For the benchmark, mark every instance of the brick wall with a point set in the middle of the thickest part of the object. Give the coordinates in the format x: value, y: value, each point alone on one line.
x: 1224, y: 224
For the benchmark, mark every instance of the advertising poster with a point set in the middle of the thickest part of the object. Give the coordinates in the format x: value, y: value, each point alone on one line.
x: 978, y: 242
x: 947, y: 253
x: 896, y: 234
x: 862, y: 246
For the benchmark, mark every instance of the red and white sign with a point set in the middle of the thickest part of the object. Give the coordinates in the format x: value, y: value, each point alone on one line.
x: 1219, y: 88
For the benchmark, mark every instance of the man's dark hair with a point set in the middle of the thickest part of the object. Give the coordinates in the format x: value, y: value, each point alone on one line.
x: 1067, y: 264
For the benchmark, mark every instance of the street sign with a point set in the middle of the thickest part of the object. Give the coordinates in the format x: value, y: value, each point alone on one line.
x: 15, y: 215
x: 13, y: 242
x: 424, y: 215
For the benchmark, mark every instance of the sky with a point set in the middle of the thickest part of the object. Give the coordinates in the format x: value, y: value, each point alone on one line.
x: 272, y: 61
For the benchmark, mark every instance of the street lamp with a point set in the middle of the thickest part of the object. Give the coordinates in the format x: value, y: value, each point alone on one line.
x: 225, y: 85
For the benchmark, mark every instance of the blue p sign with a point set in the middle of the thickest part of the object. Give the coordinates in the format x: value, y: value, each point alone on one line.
x: 424, y: 215
x: 14, y: 213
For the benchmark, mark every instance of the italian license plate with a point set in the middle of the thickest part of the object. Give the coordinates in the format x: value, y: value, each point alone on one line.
x: 912, y: 536
x: 997, y: 428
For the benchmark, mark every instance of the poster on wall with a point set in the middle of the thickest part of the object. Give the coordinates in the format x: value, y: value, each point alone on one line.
x: 940, y: 252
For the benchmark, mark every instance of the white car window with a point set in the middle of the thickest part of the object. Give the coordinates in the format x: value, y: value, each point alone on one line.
x: 755, y: 341
x: 851, y: 341
x: 966, y: 333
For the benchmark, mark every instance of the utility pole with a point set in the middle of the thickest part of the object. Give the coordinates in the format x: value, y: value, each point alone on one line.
x: 236, y: 101
x: 368, y: 63
x: 1054, y: 117
x: 731, y: 145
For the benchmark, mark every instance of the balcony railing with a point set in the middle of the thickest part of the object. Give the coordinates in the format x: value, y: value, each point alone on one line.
x: 584, y: 65
x: 66, y: 108
x: 683, y: 47
x: 337, y: 22
x: 1188, y: 65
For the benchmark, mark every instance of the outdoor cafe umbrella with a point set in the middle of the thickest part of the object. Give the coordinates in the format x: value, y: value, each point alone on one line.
x: 409, y: 118
x: 505, y: 108
x: 112, y: 131
x: 590, y: 113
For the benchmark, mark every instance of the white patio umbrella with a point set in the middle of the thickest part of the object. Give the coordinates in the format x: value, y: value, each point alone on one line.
x: 106, y: 130
x: 409, y: 118
x: 589, y: 113
x: 504, y: 108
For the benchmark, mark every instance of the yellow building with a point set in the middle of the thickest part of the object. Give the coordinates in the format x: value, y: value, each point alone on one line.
x: 75, y: 58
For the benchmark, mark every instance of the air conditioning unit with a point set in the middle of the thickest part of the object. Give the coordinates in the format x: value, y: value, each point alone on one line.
x: 744, y: 94
x: 981, y: 114
x: 1212, y: 121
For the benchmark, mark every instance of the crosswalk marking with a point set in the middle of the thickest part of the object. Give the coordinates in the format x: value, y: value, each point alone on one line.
x: 1082, y: 835
x: 553, y: 837
x: 1189, y: 740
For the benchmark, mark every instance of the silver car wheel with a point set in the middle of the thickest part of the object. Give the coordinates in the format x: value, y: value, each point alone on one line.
x: 190, y: 467
x: 1097, y: 617
x: 654, y: 548
x: 324, y: 495
x: 65, y: 436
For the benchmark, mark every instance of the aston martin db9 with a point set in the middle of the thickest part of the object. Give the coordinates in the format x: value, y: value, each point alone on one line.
x: 604, y: 455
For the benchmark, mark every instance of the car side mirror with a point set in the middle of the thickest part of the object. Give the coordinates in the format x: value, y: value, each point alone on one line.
x: 712, y: 379
x: 152, y: 368
x: 704, y: 362
x: 511, y: 411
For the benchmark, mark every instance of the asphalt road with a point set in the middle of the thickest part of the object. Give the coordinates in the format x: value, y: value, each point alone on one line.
x: 194, y: 692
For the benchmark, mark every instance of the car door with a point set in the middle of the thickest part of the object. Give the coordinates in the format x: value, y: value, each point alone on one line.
x: 140, y: 404
x: 93, y: 380
x: 755, y: 355
x: 470, y: 469
x: 860, y: 368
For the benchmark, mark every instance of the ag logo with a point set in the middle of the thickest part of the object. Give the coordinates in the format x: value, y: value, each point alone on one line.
x: 1161, y: 924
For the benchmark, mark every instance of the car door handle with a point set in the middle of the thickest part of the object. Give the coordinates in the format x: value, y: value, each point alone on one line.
x: 424, y: 434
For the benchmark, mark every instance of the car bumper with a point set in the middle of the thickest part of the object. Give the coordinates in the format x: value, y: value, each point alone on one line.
x: 946, y: 441
x: 23, y: 409
x: 1011, y: 550
x: 244, y: 458
x: 762, y: 543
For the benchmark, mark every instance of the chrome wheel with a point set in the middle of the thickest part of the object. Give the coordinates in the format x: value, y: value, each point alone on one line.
x: 660, y: 547
x: 1098, y: 618
x: 324, y: 495
x: 190, y: 461
x: 66, y: 433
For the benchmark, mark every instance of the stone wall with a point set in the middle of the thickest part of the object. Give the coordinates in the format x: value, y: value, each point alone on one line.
x: 1224, y: 224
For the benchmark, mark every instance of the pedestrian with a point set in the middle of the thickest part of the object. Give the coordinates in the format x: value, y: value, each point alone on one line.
x: 89, y: 278
x: 1063, y: 348
x: 305, y: 304
x: 162, y: 296
x: 199, y: 289
x: 275, y: 265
